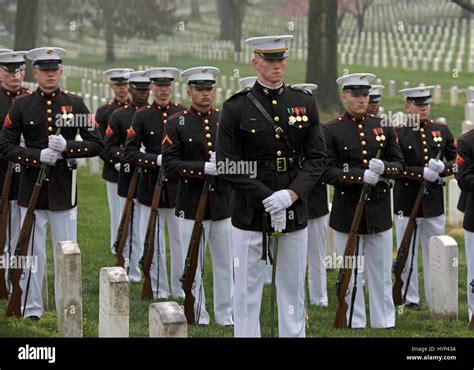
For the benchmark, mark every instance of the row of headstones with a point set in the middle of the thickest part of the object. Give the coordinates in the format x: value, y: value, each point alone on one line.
x: 166, y: 319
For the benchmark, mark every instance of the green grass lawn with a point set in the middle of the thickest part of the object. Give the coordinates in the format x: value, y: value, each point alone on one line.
x: 93, y: 234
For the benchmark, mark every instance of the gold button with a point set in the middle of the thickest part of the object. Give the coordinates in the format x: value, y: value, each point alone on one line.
x: 32, y: 123
x: 424, y: 142
x: 253, y: 131
x: 152, y: 132
x: 207, y: 128
x: 78, y: 150
x: 192, y: 172
x: 409, y: 146
x: 422, y: 130
x: 49, y: 102
x: 300, y: 126
x: 164, y: 121
x: 363, y: 143
x: 49, y: 111
x: 279, y: 153
x: 425, y: 150
x: 208, y: 135
x: 209, y: 144
x: 423, y: 136
x: 360, y: 126
x: 366, y: 161
x: 50, y: 129
x: 344, y: 177
x: 184, y: 171
x: 274, y: 102
x: 210, y: 152
x: 362, y: 134
x: 345, y: 148
x: 277, y: 119
x: 50, y: 119
x: 165, y: 114
x: 364, y: 152
x: 190, y: 140
x: 206, y: 121
x: 426, y: 158
x: 277, y: 136
x: 85, y: 149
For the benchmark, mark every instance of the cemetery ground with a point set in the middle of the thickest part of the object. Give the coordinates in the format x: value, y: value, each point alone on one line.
x: 93, y: 233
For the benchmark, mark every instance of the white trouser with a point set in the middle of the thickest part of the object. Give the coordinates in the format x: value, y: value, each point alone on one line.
x: 317, y: 233
x: 13, y: 231
x: 218, y: 235
x: 164, y: 290
x: 176, y: 252
x: 376, y: 250
x: 427, y: 227
x: 63, y: 226
x: 133, y: 250
x: 250, y: 277
x: 114, y: 212
x: 469, y: 245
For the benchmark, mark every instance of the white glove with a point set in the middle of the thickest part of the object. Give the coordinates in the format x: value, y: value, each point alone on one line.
x: 430, y: 175
x: 436, y: 165
x: 210, y: 169
x: 370, y: 177
x: 278, y: 221
x: 49, y: 156
x: 57, y: 142
x: 213, y: 158
x: 278, y: 201
x: 117, y: 166
x: 159, y: 160
x: 377, y: 166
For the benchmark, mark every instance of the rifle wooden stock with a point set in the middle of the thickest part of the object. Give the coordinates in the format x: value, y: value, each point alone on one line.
x: 192, y: 256
x: 4, y: 209
x: 402, y: 254
x: 471, y: 324
x: 14, y: 303
x: 340, y: 322
x: 149, y: 246
x: 123, y: 230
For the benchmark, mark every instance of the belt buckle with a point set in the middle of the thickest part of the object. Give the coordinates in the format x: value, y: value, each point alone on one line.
x: 281, y: 164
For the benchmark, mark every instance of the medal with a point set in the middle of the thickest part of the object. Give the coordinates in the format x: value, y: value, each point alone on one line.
x: 292, y: 120
x: 298, y: 118
x: 305, y: 118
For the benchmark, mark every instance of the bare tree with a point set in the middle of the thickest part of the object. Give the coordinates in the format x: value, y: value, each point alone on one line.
x: 321, y: 66
x: 231, y: 15
x: 465, y: 4
x: 195, y: 12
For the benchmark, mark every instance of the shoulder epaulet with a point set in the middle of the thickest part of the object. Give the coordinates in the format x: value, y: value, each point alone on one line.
x: 26, y: 94
x: 177, y: 105
x: 71, y: 95
x: 441, y: 123
x: 467, y: 134
x: 120, y: 109
x: 106, y: 105
x: 144, y: 108
x: 335, y: 120
x: 300, y: 90
x: 178, y: 114
x: 241, y: 92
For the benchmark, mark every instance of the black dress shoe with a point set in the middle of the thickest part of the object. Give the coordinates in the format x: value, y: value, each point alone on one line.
x: 34, y: 318
x: 413, y: 306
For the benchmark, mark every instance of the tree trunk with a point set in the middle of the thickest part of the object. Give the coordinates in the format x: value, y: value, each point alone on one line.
x: 26, y: 27
x: 225, y: 16
x: 195, y: 12
x: 238, y: 12
x: 109, y: 34
x: 360, y: 21
x: 321, y: 66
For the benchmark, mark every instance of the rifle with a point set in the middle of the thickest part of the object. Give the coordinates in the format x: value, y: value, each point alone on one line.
x: 5, y: 208
x: 402, y: 255
x: 187, y: 279
x: 342, y: 285
x: 126, y: 218
x: 149, y: 246
x: 14, y: 303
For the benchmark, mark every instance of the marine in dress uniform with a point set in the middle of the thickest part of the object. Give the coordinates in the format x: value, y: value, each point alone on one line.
x: 4, y: 51
x: 352, y: 141
x: 420, y: 140
x: 118, y: 128
x: 12, y: 72
x: 37, y: 116
x: 318, y: 223
x: 465, y: 177
x: 188, y: 148
x: 375, y: 97
x: 119, y: 84
x: 290, y: 160
x: 147, y: 130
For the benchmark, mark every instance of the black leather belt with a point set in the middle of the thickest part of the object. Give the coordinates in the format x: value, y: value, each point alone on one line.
x: 281, y: 164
